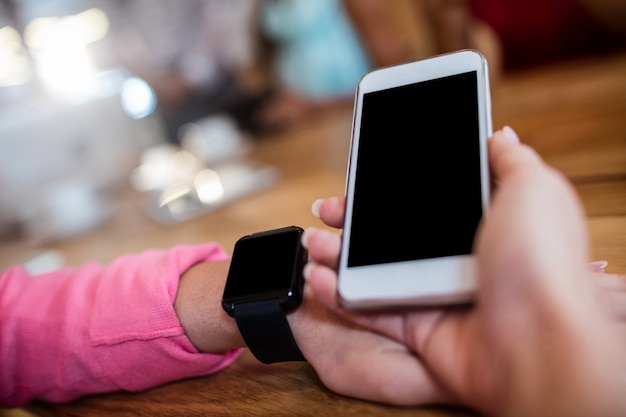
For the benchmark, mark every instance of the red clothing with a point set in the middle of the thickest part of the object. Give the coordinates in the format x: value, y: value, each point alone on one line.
x: 98, y: 329
x: 540, y: 31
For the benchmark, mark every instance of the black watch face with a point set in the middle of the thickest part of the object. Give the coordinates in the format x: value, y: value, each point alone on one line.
x: 265, y: 265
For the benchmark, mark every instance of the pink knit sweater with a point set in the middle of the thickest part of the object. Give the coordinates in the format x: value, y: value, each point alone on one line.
x: 96, y: 329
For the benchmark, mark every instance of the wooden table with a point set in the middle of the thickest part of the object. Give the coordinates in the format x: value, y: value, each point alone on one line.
x: 574, y: 114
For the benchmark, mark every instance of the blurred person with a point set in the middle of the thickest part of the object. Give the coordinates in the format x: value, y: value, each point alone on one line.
x: 545, y: 337
x: 321, y: 51
x: 195, y: 54
x: 522, y: 33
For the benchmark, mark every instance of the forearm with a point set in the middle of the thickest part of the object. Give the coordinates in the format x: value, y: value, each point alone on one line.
x: 96, y: 329
x: 379, y: 33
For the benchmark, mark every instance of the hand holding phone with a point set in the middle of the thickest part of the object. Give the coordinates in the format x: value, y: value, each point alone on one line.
x: 420, y: 136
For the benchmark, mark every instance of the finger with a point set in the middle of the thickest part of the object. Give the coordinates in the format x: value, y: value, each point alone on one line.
x: 612, y: 294
x: 322, y: 282
x: 507, y: 155
x: 323, y: 246
x: 617, y: 305
x: 610, y: 282
x: 331, y: 211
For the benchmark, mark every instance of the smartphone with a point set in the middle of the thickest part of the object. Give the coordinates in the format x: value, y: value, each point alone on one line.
x: 417, y: 183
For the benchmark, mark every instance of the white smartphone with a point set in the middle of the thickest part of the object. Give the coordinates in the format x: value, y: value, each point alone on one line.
x: 417, y: 183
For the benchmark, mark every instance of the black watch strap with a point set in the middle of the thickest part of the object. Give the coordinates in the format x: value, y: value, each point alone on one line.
x: 265, y: 329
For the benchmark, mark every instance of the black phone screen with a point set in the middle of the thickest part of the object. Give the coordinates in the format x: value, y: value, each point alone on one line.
x: 418, y: 175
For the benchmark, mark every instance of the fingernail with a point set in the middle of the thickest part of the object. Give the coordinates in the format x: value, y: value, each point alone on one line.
x: 304, y: 239
x: 597, y: 266
x: 306, y: 271
x: 510, y: 135
x: 315, y: 207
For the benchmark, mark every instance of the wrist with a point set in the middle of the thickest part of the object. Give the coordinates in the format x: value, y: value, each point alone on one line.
x: 198, y: 307
x: 264, y: 284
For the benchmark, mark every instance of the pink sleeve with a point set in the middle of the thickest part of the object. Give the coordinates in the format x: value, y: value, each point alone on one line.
x: 98, y: 329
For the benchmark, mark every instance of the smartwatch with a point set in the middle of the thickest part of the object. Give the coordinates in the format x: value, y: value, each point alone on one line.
x: 264, y: 283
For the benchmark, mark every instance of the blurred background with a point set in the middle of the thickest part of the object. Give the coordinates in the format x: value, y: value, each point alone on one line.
x: 102, y: 101
x: 87, y: 87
